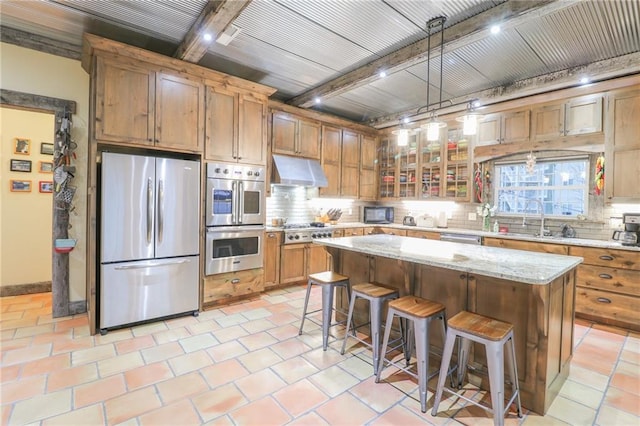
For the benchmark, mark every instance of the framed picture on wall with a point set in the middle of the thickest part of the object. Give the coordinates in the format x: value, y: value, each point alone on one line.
x: 20, y: 185
x: 22, y: 146
x: 46, y: 186
x: 21, y: 165
x: 46, y: 167
x: 46, y: 148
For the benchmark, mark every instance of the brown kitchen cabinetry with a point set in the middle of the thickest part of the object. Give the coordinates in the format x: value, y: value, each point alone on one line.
x: 235, y: 127
x: 331, y: 160
x: 457, y: 166
x: 137, y: 104
x: 622, y: 146
x: 526, y: 245
x: 272, y: 243
x: 388, y: 168
x: 348, y: 232
x: 293, y: 135
x: 408, y: 181
x: 576, y: 116
x: 297, y: 261
x: 429, y: 235
x: 504, y: 127
x: 368, y: 167
x: 373, y: 230
x: 341, y: 162
x: 431, y: 171
x: 220, y: 287
x: 608, y: 286
x: 350, y: 164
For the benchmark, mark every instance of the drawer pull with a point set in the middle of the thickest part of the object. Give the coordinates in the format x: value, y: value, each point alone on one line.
x: 272, y: 235
x: 235, y: 281
x: 606, y: 257
x: 605, y: 276
x: 603, y: 300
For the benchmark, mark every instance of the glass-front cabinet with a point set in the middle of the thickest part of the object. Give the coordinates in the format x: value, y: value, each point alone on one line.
x: 388, y: 168
x: 427, y: 169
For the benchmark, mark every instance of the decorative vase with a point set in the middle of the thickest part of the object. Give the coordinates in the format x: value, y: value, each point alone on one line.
x: 486, y: 223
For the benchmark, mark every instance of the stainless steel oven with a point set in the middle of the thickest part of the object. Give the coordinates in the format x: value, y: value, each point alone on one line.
x: 233, y: 248
x: 235, y: 195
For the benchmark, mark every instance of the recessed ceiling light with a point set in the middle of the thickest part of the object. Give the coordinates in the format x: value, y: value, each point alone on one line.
x: 584, y: 80
x: 405, y: 120
x: 317, y: 100
x: 382, y: 74
x: 207, y: 37
x: 495, y: 29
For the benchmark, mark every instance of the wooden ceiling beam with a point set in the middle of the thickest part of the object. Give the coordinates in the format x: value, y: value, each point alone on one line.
x: 508, y: 15
x: 37, y: 42
x: 216, y: 16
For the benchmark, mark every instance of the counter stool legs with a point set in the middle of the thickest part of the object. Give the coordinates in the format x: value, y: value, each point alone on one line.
x: 327, y: 311
x: 304, y: 310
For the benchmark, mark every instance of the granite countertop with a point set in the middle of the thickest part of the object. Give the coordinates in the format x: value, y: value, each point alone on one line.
x: 515, y: 265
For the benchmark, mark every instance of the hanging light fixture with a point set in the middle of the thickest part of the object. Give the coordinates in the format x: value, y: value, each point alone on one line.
x: 470, y: 119
x: 434, y: 125
x: 403, y: 134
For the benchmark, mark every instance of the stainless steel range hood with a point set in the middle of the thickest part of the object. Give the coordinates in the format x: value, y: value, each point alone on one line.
x: 298, y: 171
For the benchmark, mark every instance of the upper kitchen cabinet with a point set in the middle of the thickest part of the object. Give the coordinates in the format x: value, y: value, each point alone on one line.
x: 236, y: 126
x: 577, y: 116
x: 431, y: 169
x: 295, y: 136
x: 457, y: 181
x: 331, y: 154
x: 368, y: 167
x: 388, y: 168
x: 137, y: 105
x: 350, y: 164
x: 408, y: 181
x: 504, y: 127
x: 622, y: 146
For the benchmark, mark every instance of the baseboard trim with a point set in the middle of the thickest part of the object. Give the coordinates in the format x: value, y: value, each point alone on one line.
x: 77, y: 307
x: 19, y: 289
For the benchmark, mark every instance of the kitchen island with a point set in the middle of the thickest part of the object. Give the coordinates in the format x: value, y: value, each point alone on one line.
x: 533, y: 291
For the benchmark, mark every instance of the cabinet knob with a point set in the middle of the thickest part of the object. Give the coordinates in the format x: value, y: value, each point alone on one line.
x: 235, y: 281
x: 271, y: 235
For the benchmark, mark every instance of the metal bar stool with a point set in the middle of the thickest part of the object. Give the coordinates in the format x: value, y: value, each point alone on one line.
x: 494, y: 335
x: 328, y: 281
x: 376, y: 295
x: 420, y: 312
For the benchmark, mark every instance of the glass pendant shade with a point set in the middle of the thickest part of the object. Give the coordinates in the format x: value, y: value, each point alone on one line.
x: 433, y: 129
x: 469, y: 124
x: 403, y: 136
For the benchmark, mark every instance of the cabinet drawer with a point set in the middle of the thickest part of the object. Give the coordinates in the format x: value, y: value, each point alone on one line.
x: 609, y: 308
x: 623, y: 281
x: 231, y: 284
x: 353, y: 232
x: 624, y: 259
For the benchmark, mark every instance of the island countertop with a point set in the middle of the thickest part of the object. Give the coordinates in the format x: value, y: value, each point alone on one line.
x: 515, y: 265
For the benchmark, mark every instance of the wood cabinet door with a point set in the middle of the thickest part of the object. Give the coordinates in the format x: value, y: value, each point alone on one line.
x: 331, y: 151
x: 283, y: 133
x: 179, y: 120
x: 583, y: 115
x: 527, y: 245
x: 221, y: 124
x: 622, y: 149
x: 317, y: 259
x: 516, y: 126
x: 349, y: 181
x: 428, y: 235
x: 293, y: 263
x: 272, y: 243
x: 368, y: 152
x: 548, y: 122
x: 489, y: 130
x: 350, y: 148
x: 309, y: 139
x: 367, y: 184
x: 124, y: 103
x: 252, y: 130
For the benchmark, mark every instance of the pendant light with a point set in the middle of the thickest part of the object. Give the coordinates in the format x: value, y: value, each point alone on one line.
x: 403, y: 134
x: 470, y: 119
x: 433, y: 126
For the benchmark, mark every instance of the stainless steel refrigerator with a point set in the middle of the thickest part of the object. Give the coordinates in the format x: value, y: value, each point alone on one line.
x: 149, y: 238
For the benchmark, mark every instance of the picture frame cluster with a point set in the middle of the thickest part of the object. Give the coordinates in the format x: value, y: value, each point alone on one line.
x: 22, y: 147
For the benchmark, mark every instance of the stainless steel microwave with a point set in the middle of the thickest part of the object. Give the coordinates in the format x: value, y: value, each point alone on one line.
x: 378, y: 214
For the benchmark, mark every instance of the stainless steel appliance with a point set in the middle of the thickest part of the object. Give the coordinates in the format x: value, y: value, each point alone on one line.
x: 409, y: 221
x: 304, y: 233
x: 461, y: 238
x: 235, y: 195
x: 631, y: 234
x: 233, y: 248
x: 377, y: 214
x: 149, y: 238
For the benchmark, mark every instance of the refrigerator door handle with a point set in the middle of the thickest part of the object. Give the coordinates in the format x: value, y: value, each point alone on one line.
x: 234, y: 202
x: 240, y: 202
x: 149, y: 209
x: 160, y: 209
x: 152, y: 265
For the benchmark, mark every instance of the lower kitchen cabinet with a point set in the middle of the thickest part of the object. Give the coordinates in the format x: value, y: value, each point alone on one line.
x: 271, y: 258
x: 348, y: 232
x: 526, y: 245
x: 232, y: 284
x: 429, y: 235
x: 608, y: 286
x: 372, y: 230
x: 297, y: 261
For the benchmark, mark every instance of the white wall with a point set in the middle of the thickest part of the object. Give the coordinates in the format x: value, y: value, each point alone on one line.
x: 30, y: 71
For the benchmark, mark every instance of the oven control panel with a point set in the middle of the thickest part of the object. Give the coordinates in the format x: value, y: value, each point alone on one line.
x: 298, y: 236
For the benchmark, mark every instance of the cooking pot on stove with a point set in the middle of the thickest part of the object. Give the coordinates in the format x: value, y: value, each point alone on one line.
x: 409, y: 221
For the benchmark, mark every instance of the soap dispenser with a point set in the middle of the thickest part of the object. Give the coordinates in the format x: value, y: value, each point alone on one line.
x: 496, y: 226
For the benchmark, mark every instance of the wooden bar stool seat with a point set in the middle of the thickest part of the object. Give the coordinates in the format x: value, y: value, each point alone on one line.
x: 495, y: 335
x: 419, y: 312
x: 328, y: 281
x: 376, y: 295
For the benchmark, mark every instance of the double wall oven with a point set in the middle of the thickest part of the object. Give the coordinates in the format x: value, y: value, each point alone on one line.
x: 235, y: 217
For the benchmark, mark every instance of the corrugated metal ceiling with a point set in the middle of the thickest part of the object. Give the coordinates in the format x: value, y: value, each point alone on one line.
x: 297, y: 45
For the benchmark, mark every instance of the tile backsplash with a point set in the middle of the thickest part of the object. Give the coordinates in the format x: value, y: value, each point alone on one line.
x: 301, y: 205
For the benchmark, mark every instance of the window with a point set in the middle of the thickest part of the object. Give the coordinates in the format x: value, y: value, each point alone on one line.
x: 559, y: 186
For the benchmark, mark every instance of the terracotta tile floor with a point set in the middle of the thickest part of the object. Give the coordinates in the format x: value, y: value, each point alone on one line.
x: 245, y: 364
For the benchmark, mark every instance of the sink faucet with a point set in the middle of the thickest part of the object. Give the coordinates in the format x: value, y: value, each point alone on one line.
x: 524, y: 218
